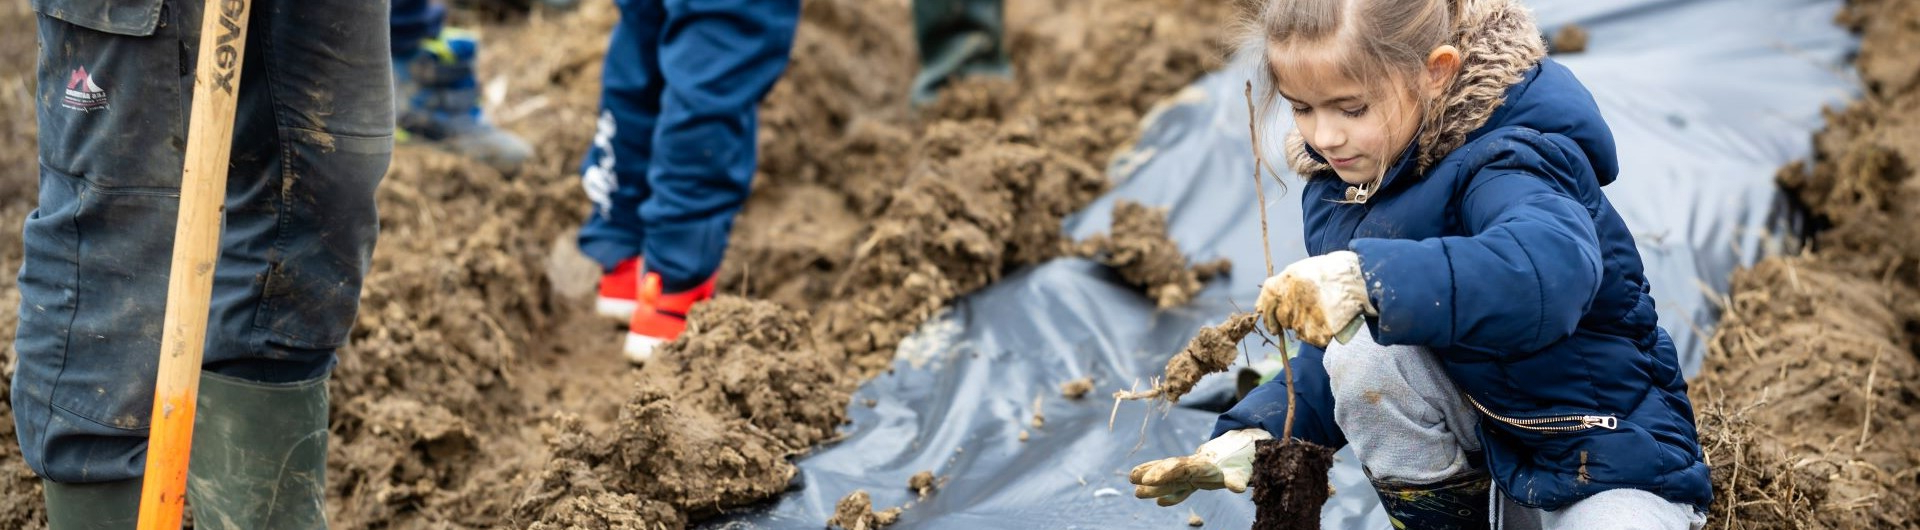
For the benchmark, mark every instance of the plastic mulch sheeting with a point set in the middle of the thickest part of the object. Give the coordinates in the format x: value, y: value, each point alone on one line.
x: 1706, y: 100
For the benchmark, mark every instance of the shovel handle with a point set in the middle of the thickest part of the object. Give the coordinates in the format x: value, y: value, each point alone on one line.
x: 196, y: 247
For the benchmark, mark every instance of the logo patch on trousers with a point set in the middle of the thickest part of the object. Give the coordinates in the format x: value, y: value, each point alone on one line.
x: 82, y: 94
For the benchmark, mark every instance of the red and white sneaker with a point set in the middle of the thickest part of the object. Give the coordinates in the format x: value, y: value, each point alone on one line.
x: 661, y: 316
x: 619, y: 291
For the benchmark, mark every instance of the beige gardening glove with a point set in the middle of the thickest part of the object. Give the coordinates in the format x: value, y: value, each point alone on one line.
x: 1319, y: 298
x: 1224, y: 462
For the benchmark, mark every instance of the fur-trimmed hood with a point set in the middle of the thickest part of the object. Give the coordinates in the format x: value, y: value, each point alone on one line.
x: 1499, y: 43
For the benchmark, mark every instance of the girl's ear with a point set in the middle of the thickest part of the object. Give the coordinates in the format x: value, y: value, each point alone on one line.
x: 1443, y: 64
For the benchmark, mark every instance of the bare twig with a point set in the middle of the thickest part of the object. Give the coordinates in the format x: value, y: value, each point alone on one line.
x: 1259, y: 194
x: 1259, y: 191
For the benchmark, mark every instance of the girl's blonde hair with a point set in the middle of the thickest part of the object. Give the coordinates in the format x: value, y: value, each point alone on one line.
x: 1380, y: 39
x: 1391, y: 39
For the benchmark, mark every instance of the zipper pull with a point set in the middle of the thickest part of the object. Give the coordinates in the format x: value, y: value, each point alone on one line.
x: 1605, y: 422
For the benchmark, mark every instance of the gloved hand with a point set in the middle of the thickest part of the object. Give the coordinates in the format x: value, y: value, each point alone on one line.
x: 1224, y: 462
x: 1318, y: 298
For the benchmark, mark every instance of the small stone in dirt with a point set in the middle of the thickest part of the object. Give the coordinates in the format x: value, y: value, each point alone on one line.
x: 1194, y: 520
x: 1077, y: 388
x: 871, y: 403
x: 921, y: 483
x: 855, y: 512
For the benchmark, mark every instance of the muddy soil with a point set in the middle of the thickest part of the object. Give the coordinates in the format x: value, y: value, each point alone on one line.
x: 1140, y: 250
x: 1289, y: 484
x: 855, y: 512
x: 479, y: 393
x: 1808, y: 401
x: 19, y: 489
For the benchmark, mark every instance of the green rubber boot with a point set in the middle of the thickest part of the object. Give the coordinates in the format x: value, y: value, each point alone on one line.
x: 259, y: 455
x: 957, y: 38
x: 1458, y: 503
x: 98, y: 506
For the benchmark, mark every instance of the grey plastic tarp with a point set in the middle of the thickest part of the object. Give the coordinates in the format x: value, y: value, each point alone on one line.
x: 1706, y: 100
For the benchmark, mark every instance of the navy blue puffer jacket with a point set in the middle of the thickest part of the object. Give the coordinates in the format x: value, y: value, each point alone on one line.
x: 1505, y: 259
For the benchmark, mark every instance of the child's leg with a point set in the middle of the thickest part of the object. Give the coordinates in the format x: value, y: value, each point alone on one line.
x: 1401, y: 414
x: 1412, y: 431
x: 1624, y: 509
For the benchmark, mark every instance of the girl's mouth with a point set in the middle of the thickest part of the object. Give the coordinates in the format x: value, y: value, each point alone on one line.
x: 1344, y: 163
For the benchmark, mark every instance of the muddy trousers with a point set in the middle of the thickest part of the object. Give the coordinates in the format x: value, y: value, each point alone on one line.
x: 311, y: 140
x: 674, y: 152
x: 1410, y: 427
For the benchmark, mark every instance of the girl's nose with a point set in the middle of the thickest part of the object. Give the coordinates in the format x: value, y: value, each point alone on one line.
x: 1328, y: 137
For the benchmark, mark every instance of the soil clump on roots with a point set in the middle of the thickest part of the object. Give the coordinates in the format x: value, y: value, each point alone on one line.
x: 1289, y: 484
x: 1211, y: 351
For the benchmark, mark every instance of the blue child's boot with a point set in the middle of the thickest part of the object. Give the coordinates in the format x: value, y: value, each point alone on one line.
x: 438, y: 103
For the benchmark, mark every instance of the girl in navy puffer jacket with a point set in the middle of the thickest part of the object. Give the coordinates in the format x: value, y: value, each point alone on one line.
x: 1510, y: 352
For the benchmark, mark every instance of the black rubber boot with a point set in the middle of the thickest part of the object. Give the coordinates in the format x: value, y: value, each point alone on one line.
x: 1458, y: 503
x: 259, y: 455
x: 957, y: 38
x: 97, y: 506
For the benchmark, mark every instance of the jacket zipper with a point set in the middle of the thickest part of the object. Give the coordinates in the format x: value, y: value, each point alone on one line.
x: 1582, y: 422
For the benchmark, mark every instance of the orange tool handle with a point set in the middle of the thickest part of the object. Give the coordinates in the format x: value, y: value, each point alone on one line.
x: 196, y: 247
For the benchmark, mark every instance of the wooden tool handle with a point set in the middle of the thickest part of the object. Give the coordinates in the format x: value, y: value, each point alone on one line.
x: 196, y: 247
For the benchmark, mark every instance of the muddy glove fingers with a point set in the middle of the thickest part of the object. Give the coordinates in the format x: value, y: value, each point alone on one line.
x: 1171, y: 480
x: 1164, y: 495
x: 1268, y: 307
x: 1175, y: 498
x: 1292, y: 303
x: 1167, y: 495
x: 1169, y: 471
x: 1318, y: 298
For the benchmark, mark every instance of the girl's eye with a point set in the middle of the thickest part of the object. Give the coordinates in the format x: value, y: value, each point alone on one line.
x: 1355, y: 113
x: 1301, y: 110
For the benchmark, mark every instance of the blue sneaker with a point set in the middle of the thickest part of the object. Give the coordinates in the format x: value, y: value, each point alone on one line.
x: 437, y: 103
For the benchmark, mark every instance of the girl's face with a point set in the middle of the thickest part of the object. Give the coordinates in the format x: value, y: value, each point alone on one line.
x: 1359, y: 127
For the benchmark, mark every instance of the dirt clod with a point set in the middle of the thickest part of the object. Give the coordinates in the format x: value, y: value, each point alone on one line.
x: 1146, y: 257
x: 921, y: 483
x: 855, y: 512
x: 1077, y: 388
x: 1289, y: 484
x: 1570, y: 39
